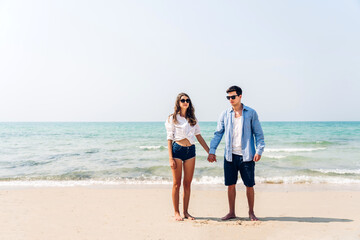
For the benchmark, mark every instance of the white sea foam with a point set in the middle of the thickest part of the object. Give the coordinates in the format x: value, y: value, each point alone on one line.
x: 305, y: 180
x: 205, y: 180
x: 46, y: 183
x: 293, y: 149
x: 132, y: 181
x: 151, y: 147
x: 209, y: 180
x: 274, y: 156
x: 338, y: 171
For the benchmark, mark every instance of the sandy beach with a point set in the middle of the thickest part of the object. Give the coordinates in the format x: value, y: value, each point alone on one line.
x: 143, y: 212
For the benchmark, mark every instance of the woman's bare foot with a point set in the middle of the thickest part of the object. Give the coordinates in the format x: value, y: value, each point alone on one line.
x: 228, y: 216
x: 188, y: 216
x: 253, y: 217
x: 178, y: 217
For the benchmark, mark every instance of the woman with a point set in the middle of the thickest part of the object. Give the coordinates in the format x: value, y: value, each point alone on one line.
x: 182, y: 127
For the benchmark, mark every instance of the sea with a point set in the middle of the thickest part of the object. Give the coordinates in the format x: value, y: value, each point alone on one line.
x: 88, y: 153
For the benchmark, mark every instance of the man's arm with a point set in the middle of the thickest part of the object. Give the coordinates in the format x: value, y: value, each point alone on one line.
x: 258, y: 133
x: 220, y: 129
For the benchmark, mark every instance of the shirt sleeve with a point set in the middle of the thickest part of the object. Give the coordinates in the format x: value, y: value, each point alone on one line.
x: 258, y: 133
x: 170, y: 128
x: 218, y: 134
x: 197, y: 128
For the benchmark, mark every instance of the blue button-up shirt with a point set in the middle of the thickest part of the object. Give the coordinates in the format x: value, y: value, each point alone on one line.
x: 251, y: 129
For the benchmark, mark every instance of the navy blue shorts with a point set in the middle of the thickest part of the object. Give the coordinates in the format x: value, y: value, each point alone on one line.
x: 183, y: 153
x: 247, y: 171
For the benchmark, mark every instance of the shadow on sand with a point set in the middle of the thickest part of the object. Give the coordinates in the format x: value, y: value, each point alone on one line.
x: 305, y: 219
x: 281, y: 219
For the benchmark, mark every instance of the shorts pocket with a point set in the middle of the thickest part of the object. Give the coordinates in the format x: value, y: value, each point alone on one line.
x: 176, y: 147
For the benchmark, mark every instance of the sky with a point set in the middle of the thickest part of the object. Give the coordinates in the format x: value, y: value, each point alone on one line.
x: 127, y: 60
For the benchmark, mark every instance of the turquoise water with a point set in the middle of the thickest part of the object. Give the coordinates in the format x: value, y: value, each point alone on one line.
x: 87, y: 153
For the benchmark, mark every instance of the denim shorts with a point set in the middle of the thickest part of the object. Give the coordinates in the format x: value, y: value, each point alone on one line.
x: 247, y: 171
x: 183, y: 153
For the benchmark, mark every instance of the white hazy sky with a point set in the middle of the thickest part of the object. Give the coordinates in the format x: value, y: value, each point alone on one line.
x: 127, y: 60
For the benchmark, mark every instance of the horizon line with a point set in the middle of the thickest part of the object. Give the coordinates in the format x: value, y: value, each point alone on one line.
x: 163, y: 121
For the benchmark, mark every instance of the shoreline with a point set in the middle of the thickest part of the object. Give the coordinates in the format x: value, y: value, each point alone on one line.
x: 267, y: 187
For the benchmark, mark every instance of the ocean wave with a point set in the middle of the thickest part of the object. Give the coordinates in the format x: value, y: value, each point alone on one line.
x: 337, y: 171
x: 75, y: 183
x: 274, y: 156
x: 209, y: 180
x: 152, y: 147
x: 204, y: 180
x: 302, y: 179
x: 61, y: 155
x: 154, y: 180
x: 293, y: 149
x: 93, y: 150
x: 144, y: 173
x: 317, y: 143
x: 29, y: 163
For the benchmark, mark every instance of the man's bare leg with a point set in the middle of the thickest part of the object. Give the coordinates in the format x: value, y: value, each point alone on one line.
x: 176, y: 188
x: 251, y: 199
x: 189, y: 166
x: 231, y: 198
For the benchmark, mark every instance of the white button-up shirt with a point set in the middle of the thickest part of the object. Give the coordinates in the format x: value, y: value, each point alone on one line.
x: 181, y: 130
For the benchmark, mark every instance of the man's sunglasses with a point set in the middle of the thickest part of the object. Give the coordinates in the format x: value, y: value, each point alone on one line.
x: 232, y: 97
x: 185, y: 100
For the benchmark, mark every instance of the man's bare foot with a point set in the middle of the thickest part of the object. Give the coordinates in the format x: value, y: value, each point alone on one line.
x: 228, y: 216
x: 178, y: 217
x: 188, y: 216
x: 253, y: 217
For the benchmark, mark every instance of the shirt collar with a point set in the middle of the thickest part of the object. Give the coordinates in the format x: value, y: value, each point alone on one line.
x: 179, y: 116
x: 245, y: 108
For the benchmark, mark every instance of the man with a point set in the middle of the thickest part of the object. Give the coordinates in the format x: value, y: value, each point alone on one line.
x: 240, y: 125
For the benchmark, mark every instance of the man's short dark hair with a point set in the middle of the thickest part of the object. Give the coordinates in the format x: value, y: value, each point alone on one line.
x: 234, y: 89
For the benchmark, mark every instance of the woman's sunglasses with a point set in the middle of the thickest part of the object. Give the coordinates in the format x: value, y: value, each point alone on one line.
x: 232, y: 97
x: 185, y: 100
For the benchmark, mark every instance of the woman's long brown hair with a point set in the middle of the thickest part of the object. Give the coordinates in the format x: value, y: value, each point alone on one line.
x: 190, y: 111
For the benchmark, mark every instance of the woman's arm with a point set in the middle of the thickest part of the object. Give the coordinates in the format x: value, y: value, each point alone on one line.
x: 170, y: 129
x: 202, y: 142
x: 171, y: 159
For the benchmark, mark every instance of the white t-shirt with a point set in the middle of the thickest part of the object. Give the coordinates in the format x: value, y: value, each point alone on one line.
x: 237, y: 133
x: 181, y: 130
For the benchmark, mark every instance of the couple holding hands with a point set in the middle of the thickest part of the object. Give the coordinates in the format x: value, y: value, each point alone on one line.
x: 243, y: 133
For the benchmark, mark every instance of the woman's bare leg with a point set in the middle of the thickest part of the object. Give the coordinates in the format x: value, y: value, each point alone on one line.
x: 176, y: 188
x: 189, y: 166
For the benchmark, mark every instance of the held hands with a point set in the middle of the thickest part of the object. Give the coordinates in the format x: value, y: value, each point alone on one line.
x: 257, y: 157
x: 211, y: 158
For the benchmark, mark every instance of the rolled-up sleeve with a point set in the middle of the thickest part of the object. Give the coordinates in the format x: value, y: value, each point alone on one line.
x: 170, y: 128
x: 259, y: 135
x: 197, y: 129
x: 218, y: 134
